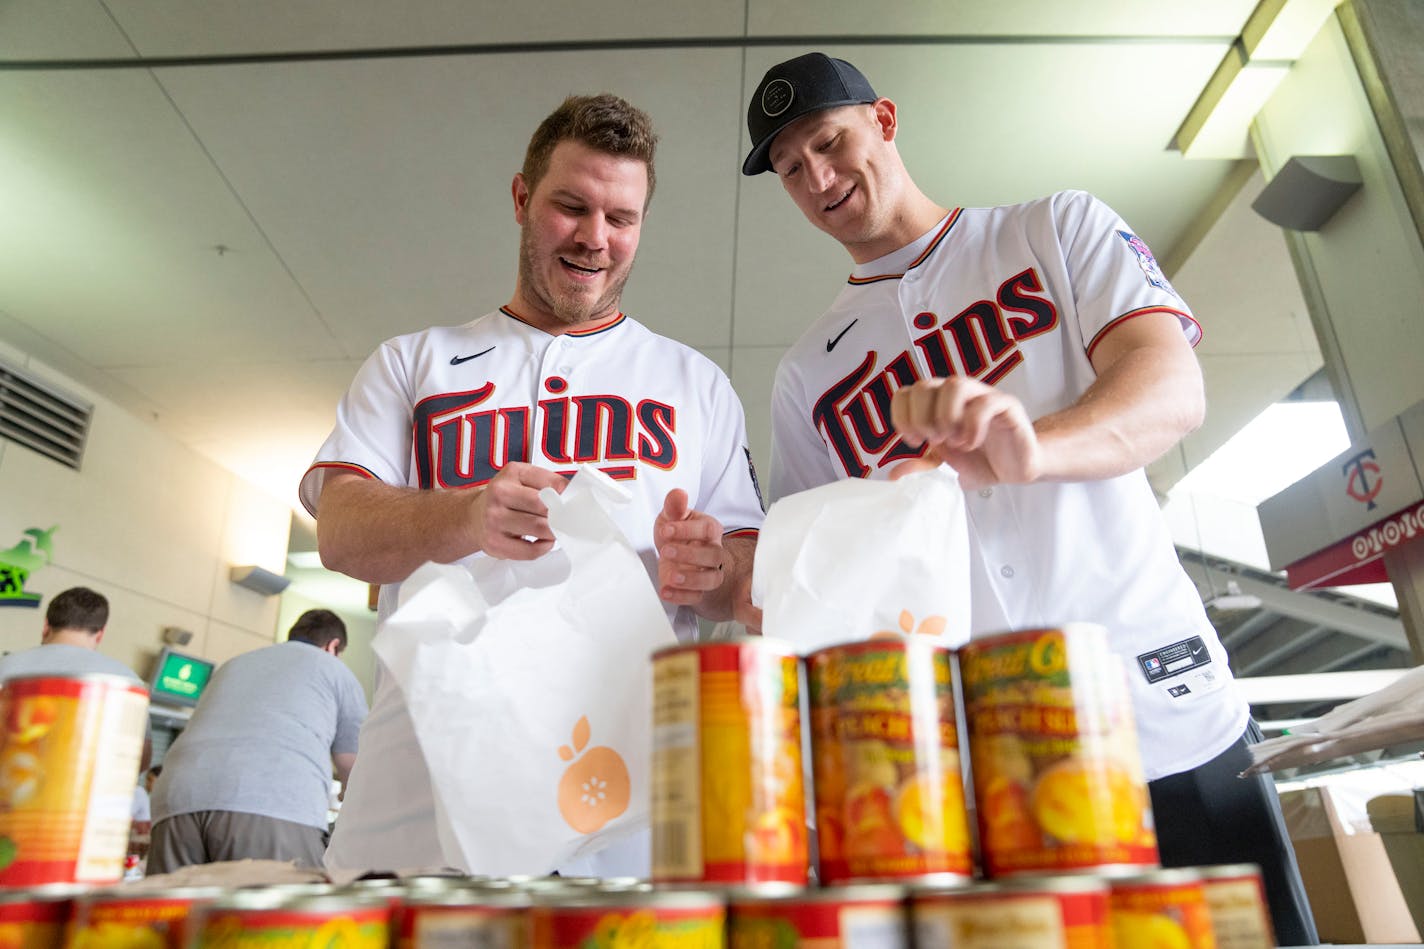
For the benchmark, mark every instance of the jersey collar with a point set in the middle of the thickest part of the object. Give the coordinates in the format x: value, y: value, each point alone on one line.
x: 897, y: 263
x: 603, y: 327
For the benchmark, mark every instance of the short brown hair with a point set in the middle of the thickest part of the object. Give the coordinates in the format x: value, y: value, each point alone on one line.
x: 78, y: 608
x: 319, y: 627
x: 604, y: 123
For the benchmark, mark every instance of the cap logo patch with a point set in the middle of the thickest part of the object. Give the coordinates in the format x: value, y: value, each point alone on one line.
x: 776, y: 97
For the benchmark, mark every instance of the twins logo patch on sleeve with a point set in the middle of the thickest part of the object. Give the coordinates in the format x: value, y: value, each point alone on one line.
x: 1187, y: 663
x: 1150, y: 268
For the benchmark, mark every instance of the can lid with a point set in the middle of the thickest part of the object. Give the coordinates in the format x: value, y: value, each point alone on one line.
x: 297, y: 898
x: 471, y: 897
x: 632, y: 899
x: 133, y: 684
x: 847, y: 893
x: 1173, y: 877
x: 45, y: 893
x: 1223, y: 871
x: 142, y: 894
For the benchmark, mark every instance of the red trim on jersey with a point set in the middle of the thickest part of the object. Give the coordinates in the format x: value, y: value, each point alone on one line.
x: 590, y: 331
x: 1185, y: 318
x: 924, y: 254
x: 342, y: 466
x: 743, y: 532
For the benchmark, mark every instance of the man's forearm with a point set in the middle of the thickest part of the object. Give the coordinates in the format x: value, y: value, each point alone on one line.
x: 380, y: 533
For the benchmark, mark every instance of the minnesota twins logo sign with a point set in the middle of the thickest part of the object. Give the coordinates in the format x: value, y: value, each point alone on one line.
x: 1363, y: 480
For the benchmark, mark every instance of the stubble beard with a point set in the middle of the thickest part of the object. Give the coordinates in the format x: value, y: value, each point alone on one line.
x: 569, y: 309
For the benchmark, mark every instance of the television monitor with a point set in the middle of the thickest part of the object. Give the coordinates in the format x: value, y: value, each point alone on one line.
x: 179, y: 679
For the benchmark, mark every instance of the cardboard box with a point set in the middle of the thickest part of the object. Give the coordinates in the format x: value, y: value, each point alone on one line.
x: 1348, y: 875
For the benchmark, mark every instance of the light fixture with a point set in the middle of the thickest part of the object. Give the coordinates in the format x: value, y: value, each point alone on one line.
x: 1219, y: 122
x: 258, y: 580
x: 1308, y: 190
x: 1232, y: 600
x: 176, y: 636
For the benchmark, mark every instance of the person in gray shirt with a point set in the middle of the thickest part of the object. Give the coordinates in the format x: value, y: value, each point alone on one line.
x: 250, y: 775
x: 69, y: 642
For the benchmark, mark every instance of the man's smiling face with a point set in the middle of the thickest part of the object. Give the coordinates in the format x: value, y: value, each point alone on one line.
x: 838, y: 166
x: 579, y: 232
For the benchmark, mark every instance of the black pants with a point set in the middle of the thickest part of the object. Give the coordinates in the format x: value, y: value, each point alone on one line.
x: 1211, y: 816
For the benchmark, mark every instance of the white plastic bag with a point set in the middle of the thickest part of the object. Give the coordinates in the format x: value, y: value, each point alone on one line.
x: 855, y: 559
x: 529, y: 688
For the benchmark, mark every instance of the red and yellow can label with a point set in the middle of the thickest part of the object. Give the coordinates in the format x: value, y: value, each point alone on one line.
x: 1161, y: 915
x: 33, y: 924
x: 364, y: 928
x: 69, y: 757
x: 1057, y: 771
x: 885, y: 756
x: 728, y: 796
x: 587, y: 927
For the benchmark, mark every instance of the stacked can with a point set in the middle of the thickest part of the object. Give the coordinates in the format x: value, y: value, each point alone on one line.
x: 35, y: 918
x: 575, y: 919
x: 1057, y: 770
x: 286, y: 916
x: 137, y: 919
x: 1163, y: 908
x: 1059, y: 912
x: 69, y: 758
x: 728, y: 798
x: 885, y: 759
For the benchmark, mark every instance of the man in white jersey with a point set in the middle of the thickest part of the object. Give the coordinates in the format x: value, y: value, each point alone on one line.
x: 1039, y: 350
x: 446, y: 436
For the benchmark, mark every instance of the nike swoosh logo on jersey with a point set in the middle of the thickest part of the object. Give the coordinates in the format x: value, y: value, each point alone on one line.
x: 831, y: 343
x: 456, y: 360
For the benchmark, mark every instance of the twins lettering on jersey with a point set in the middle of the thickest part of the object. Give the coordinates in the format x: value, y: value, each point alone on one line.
x: 980, y: 342
x: 461, y: 443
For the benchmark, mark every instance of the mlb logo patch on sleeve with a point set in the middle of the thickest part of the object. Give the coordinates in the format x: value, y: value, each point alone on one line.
x: 1147, y: 262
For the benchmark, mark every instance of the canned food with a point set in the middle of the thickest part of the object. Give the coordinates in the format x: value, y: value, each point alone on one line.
x: 65, y: 807
x: 840, y: 917
x: 1057, y: 771
x: 1064, y: 912
x: 142, y: 919
x: 35, y: 918
x: 1237, y: 900
x: 728, y: 798
x: 1161, y: 908
x: 261, y: 919
x: 885, y: 757
x: 456, y: 919
x: 665, y: 918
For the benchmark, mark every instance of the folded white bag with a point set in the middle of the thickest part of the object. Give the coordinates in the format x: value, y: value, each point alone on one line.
x: 855, y: 559
x: 529, y: 689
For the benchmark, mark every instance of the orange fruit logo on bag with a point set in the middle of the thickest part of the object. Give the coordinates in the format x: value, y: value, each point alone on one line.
x: 932, y: 626
x: 595, y: 788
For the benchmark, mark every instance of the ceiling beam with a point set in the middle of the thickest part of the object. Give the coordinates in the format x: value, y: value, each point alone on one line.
x: 1315, y: 686
x: 1248, y: 629
x: 1295, y: 644
x: 1316, y: 610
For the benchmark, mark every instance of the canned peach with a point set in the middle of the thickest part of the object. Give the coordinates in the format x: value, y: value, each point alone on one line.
x: 1237, y: 901
x: 69, y: 759
x: 728, y: 798
x: 148, y: 919
x: 885, y: 757
x: 839, y: 917
x: 1164, y: 909
x: 1065, y: 912
x: 36, y: 918
x: 274, y: 919
x: 1057, y: 771
x: 677, y: 919
x: 457, y: 918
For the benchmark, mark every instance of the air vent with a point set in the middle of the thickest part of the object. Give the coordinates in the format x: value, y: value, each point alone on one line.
x: 40, y: 417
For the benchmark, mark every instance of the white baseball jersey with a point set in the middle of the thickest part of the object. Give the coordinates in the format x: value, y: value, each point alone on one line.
x: 1017, y: 297
x: 447, y: 408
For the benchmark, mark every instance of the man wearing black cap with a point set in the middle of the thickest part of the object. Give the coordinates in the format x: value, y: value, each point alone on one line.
x: 1038, y: 350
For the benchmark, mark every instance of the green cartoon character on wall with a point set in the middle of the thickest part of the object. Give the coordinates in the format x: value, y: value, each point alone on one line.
x: 35, y: 550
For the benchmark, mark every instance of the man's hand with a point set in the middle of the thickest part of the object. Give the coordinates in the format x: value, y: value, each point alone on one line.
x: 982, y: 433
x: 509, y: 520
x: 690, y: 555
x: 697, y: 568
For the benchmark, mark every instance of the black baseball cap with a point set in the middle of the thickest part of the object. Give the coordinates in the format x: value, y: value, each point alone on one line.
x: 795, y: 88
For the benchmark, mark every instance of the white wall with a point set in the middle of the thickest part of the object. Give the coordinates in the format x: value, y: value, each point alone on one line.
x: 150, y: 524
